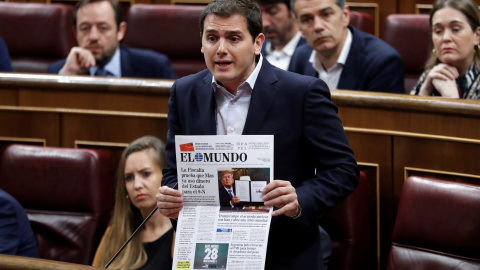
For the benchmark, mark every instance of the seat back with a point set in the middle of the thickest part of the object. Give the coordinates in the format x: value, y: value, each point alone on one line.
x: 350, y: 228
x: 67, y: 194
x: 362, y: 21
x: 437, y: 226
x: 410, y: 35
x: 169, y: 29
x: 36, y: 34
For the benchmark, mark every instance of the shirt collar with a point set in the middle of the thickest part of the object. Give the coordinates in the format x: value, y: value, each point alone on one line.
x: 342, y: 58
x: 250, y: 81
x: 289, y: 49
x: 113, y: 66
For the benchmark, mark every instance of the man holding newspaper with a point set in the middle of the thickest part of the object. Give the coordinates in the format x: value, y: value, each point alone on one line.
x: 242, y: 94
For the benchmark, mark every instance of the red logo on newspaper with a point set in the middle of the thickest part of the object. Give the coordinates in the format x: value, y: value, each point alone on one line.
x: 187, y: 147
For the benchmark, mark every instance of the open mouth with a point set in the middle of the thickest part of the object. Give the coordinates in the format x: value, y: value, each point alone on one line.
x: 223, y: 64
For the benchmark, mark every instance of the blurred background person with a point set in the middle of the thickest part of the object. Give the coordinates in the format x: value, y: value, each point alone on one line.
x: 5, y: 61
x: 453, y: 67
x: 340, y: 54
x: 16, y: 235
x: 99, y: 27
x: 282, y: 33
x: 139, y: 176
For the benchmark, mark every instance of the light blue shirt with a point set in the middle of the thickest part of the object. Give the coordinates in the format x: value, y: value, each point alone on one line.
x: 113, y: 66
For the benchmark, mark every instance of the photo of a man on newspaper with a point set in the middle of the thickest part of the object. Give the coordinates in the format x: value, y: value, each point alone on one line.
x: 241, y: 188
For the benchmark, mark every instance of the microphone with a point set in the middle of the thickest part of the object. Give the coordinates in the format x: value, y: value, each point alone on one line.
x: 138, y: 228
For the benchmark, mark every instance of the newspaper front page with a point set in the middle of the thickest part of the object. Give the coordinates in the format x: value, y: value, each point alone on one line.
x: 224, y: 223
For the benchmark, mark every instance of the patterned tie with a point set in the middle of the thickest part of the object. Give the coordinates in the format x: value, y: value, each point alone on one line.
x: 230, y: 193
x: 103, y: 72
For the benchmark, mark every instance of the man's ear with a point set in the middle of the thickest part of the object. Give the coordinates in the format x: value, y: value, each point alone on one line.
x: 259, y: 40
x: 121, y: 31
x: 346, y: 16
x: 75, y: 33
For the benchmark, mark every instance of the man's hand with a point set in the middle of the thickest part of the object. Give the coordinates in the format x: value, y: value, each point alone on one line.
x: 169, y: 201
x: 281, y: 194
x: 234, y: 200
x: 79, y: 60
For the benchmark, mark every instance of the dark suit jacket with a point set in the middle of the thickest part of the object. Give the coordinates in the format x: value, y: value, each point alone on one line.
x: 308, y: 135
x: 301, y: 42
x: 135, y: 63
x: 225, y: 198
x: 371, y: 65
x: 16, y: 236
x: 5, y: 62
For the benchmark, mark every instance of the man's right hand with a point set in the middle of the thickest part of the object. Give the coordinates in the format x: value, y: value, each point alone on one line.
x: 169, y: 201
x: 234, y: 200
x: 79, y: 60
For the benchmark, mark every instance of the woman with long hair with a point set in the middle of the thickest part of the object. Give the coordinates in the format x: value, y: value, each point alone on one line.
x: 453, y: 68
x: 139, y: 176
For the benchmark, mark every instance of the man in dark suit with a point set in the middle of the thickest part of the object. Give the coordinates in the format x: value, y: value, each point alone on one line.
x: 241, y: 93
x: 16, y: 235
x: 343, y: 56
x: 280, y: 27
x: 225, y: 191
x: 99, y: 29
x: 5, y: 62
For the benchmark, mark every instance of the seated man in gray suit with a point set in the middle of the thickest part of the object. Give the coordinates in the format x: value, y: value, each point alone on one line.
x: 99, y: 29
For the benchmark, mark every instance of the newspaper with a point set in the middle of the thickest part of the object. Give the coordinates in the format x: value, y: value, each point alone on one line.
x: 224, y: 223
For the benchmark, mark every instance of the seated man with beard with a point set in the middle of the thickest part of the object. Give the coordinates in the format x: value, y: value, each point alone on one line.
x: 99, y: 29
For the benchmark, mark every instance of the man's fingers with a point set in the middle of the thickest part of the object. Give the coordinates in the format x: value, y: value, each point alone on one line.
x: 169, y: 201
x: 288, y: 209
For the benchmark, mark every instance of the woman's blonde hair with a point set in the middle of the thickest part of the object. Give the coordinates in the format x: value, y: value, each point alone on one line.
x: 470, y: 10
x: 126, y: 217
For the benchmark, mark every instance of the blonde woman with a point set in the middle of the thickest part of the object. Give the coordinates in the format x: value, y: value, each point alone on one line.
x: 139, y: 176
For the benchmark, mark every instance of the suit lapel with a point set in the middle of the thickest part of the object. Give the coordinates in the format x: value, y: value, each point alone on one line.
x: 348, y: 78
x: 125, y: 63
x: 207, y: 105
x: 263, y: 96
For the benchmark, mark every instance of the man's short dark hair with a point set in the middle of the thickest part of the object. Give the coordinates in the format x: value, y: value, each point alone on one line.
x: 226, y: 8
x: 117, y: 10
x: 266, y: 2
x: 339, y: 3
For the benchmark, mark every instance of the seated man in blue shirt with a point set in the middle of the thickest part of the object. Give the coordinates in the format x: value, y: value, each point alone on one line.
x: 16, y: 236
x: 99, y: 29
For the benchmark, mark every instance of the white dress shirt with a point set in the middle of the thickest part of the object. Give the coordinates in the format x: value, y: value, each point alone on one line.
x: 281, y: 59
x: 332, y: 75
x: 232, y: 110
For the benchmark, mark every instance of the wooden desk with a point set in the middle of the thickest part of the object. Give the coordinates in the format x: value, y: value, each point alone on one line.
x: 84, y: 92
x: 10, y: 262
x: 393, y: 136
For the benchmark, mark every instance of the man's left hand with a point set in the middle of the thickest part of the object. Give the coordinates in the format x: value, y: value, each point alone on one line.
x: 281, y: 194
